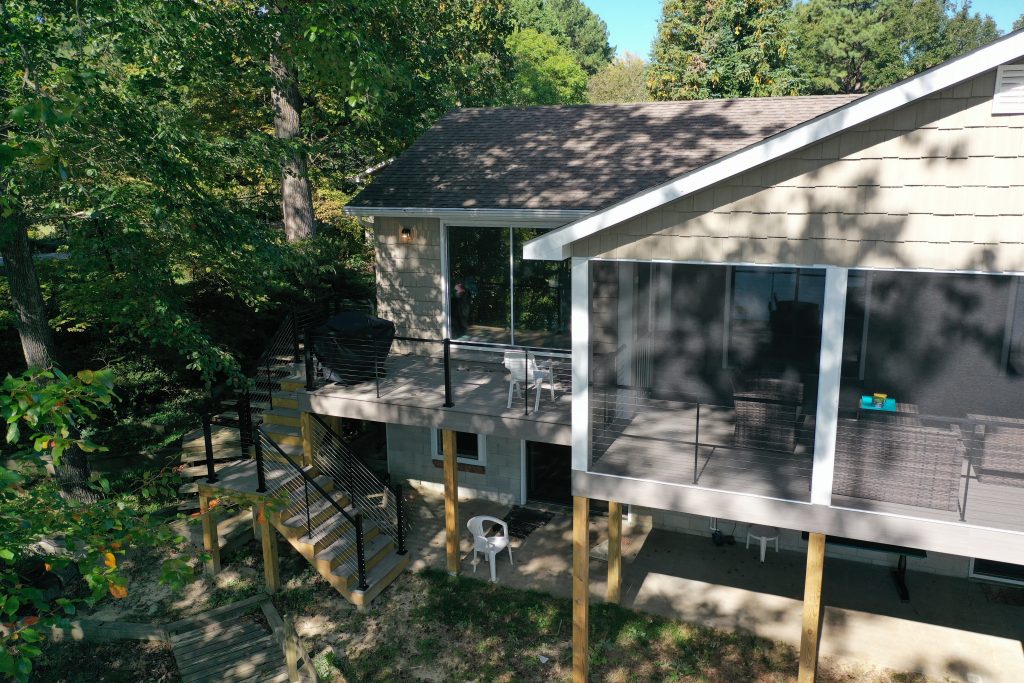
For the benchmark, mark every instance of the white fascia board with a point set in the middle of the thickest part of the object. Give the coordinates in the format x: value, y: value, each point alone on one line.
x: 554, y: 246
x: 551, y: 215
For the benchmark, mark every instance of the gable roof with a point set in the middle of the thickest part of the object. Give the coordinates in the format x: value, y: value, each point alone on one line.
x: 554, y: 245
x: 583, y: 157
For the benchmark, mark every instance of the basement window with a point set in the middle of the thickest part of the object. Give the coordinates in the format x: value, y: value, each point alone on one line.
x: 470, y: 448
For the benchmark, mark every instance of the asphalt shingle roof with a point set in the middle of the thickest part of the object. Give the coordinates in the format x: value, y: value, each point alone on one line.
x: 576, y: 157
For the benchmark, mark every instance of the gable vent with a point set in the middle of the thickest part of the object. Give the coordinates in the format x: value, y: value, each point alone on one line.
x: 1009, y: 95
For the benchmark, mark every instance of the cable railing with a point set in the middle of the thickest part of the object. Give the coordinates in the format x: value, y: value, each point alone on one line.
x: 315, y: 533
x: 526, y: 377
x: 376, y: 499
x: 762, y: 446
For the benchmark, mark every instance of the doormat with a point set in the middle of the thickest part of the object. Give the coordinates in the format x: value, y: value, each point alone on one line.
x: 522, y: 521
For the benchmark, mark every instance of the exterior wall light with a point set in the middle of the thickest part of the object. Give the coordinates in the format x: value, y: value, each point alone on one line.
x: 405, y: 235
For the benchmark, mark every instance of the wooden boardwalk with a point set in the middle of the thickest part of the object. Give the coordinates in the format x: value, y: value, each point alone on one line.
x: 227, y: 644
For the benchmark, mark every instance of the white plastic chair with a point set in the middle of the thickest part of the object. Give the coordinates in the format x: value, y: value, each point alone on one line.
x: 489, y: 545
x: 524, y: 371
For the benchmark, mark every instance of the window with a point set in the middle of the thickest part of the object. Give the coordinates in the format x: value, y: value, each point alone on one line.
x: 497, y: 296
x: 469, y: 448
x: 1001, y: 572
x: 775, y: 318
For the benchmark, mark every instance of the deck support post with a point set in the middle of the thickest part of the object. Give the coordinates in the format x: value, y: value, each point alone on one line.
x: 580, y: 589
x: 810, y: 637
x: 306, y: 428
x: 210, y: 542
x: 257, y: 534
x: 451, y: 501
x: 614, y: 552
x: 271, y: 561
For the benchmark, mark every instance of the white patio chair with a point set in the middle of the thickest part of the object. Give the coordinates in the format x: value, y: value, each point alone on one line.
x: 524, y: 371
x: 489, y: 545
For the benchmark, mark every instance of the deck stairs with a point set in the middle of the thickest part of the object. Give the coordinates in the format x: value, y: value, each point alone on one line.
x: 317, y: 506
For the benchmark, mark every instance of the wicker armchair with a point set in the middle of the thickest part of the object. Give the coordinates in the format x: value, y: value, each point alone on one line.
x: 767, y: 410
x: 998, y: 450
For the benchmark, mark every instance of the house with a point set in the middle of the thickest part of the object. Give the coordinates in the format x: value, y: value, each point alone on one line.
x: 801, y: 312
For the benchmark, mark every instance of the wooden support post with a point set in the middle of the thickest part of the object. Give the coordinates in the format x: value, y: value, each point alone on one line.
x: 451, y: 501
x: 271, y: 562
x: 256, y: 533
x: 810, y: 637
x: 210, y: 541
x: 580, y: 589
x: 306, y: 427
x: 614, y: 551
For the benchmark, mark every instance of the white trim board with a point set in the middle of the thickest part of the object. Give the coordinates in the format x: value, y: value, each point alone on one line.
x: 555, y: 245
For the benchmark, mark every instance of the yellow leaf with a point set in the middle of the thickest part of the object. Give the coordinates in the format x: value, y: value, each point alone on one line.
x: 119, y: 592
x: 109, y: 560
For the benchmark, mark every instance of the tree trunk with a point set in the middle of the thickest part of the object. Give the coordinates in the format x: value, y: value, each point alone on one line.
x: 296, y: 193
x: 26, y: 297
x: 73, y: 475
x: 37, y: 341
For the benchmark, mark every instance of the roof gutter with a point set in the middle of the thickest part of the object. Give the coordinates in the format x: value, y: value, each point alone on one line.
x: 554, y: 246
x: 559, y: 216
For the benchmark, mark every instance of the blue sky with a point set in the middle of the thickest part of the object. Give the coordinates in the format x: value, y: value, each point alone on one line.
x: 632, y: 23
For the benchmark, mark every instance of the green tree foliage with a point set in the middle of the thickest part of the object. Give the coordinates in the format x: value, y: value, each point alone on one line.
x: 574, y: 24
x: 624, y: 80
x: 1019, y: 24
x: 721, y: 48
x: 861, y: 45
x: 42, y: 534
x: 545, y: 72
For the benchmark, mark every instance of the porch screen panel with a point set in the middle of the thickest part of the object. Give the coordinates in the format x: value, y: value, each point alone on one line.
x: 705, y: 375
x: 947, y: 439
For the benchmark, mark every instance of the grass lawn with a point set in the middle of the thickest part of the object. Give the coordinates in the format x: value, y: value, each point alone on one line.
x: 428, y: 626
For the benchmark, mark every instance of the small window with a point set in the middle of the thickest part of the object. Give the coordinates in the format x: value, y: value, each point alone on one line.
x: 1001, y: 572
x: 469, y: 447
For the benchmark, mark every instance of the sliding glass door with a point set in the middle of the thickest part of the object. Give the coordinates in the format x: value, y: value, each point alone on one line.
x: 497, y: 296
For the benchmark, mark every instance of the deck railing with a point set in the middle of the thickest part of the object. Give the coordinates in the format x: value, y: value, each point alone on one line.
x: 446, y: 365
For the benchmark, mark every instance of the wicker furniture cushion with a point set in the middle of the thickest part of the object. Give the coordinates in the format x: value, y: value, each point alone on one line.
x: 896, y: 463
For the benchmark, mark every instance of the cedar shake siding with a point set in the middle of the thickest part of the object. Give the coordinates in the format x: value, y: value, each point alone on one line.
x: 409, y: 288
x: 938, y: 184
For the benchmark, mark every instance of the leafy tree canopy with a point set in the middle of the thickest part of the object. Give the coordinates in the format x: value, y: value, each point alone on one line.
x: 854, y: 46
x: 546, y: 72
x: 574, y: 24
x: 624, y: 80
x: 721, y: 48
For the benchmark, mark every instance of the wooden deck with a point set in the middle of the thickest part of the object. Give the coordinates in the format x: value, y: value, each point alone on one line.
x: 412, y: 392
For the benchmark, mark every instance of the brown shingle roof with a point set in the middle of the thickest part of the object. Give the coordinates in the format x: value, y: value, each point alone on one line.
x: 575, y: 157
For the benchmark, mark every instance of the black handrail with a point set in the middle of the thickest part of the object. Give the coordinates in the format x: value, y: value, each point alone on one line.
x: 350, y: 470
x: 357, y: 521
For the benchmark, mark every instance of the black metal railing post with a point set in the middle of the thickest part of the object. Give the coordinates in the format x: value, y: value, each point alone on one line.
x: 448, y: 402
x: 696, y: 445
x: 310, y: 370
x: 295, y: 336
x: 360, y: 553
x: 270, y: 386
x: 376, y: 363
x: 211, y: 472
x: 261, y: 478
x: 244, y: 409
x: 400, y: 515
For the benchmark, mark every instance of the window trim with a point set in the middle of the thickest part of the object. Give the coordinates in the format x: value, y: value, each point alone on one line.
x: 481, y: 447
